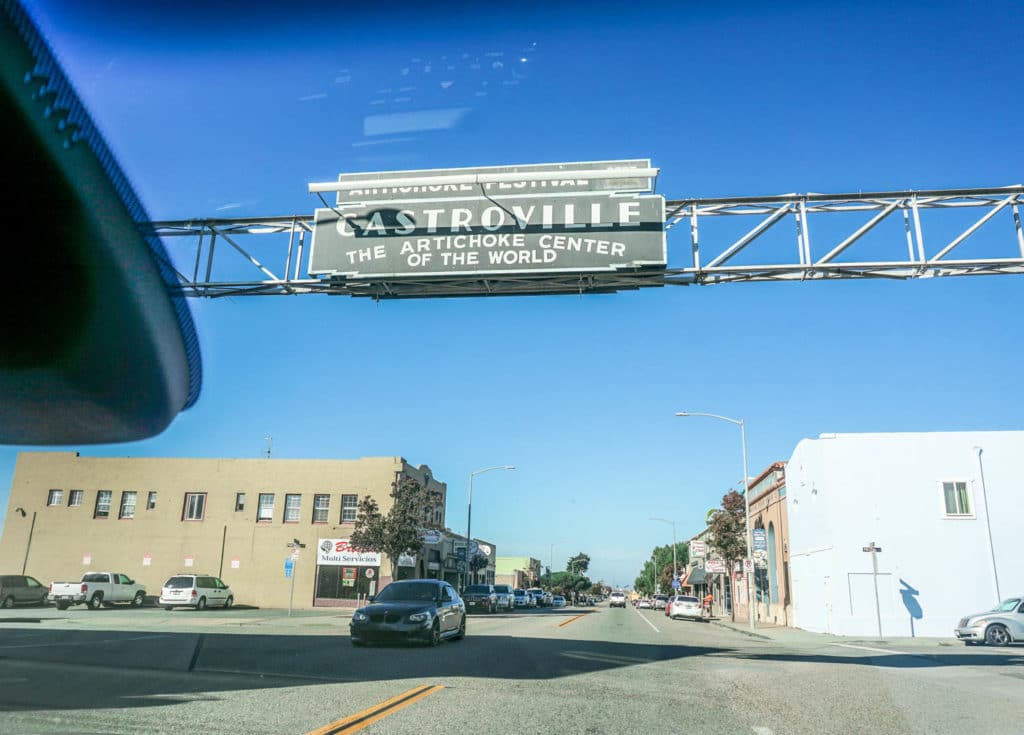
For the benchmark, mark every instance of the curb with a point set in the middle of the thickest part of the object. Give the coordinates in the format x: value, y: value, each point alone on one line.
x: 740, y: 630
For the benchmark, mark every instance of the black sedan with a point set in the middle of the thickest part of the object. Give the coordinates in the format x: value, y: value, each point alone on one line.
x: 423, y: 610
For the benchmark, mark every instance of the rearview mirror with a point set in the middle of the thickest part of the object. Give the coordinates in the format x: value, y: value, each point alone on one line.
x: 371, y: 598
x: 103, y: 350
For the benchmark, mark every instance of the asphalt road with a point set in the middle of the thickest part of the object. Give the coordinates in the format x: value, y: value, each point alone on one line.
x: 606, y: 671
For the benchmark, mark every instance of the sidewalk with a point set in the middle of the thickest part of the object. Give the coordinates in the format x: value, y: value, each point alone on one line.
x: 799, y: 637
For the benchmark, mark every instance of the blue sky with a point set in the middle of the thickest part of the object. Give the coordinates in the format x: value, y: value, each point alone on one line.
x: 213, y: 114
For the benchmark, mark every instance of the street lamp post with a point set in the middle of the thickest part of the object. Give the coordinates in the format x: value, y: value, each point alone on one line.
x: 746, y: 499
x: 675, y: 567
x: 469, y: 519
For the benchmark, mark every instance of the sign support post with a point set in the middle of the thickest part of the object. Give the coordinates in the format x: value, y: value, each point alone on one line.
x: 875, y: 551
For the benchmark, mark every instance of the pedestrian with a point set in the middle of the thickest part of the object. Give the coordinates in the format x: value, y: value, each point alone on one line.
x: 708, y: 599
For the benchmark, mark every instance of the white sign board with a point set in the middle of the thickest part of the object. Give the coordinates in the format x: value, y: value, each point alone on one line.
x: 339, y: 552
x: 236, y: 563
x: 147, y: 560
x: 697, y: 549
x: 715, y: 566
x: 406, y: 560
x: 189, y: 560
x: 431, y: 536
x: 86, y: 559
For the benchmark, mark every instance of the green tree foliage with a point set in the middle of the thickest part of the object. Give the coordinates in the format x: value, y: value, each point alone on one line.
x: 579, y: 563
x: 398, y: 532
x: 661, y: 568
x: 564, y: 583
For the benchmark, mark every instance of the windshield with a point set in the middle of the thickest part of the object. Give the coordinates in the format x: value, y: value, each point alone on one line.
x: 713, y: 300
x: 1008, y: 605
x: 408, y: 592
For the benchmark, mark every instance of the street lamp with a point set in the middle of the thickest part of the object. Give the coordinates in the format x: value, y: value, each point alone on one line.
x: 675, y: 568
x: 469, y: 519
x: 746, y: 498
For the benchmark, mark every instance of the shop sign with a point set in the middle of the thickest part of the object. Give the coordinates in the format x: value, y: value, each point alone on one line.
x: 339, y: 552
x: 430, y: 536
x: 697, y: 549
x: 348, y: 577
x: 406, y: 560
x: 715, y: 566
x: 485, y: 549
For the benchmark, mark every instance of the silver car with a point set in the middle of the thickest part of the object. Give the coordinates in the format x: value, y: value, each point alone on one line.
x: 999, y: 626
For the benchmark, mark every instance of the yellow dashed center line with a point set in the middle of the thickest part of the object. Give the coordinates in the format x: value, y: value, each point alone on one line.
x: 368, y: 716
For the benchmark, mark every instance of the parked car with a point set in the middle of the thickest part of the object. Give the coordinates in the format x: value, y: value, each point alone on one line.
x: 20, y: 589
x: 522, y: 599
x: 616, y: 599
x: 658, y: 602
x: 195, y: 590
x: 540, y: 598
x: 558, y: 601
x: 480, y: 598
x: 644, y: 604
x: 999, y: 626
x: 424, y: 610
x: 506, y: 597
x: 686, y: 607
x: 97, y: 589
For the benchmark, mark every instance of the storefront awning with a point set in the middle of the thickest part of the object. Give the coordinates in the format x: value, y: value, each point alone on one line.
x: 695, y: 577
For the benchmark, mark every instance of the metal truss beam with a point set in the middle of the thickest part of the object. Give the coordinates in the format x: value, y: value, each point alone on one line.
x: 708, y: 264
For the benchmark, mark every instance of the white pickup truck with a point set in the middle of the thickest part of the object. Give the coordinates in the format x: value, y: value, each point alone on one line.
x: 97, y: 589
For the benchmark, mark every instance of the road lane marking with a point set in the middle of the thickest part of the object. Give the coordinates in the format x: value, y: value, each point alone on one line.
x: 876, y: 650
x: 368, y: 716
x: 637, y: 611
x: 571, y: 620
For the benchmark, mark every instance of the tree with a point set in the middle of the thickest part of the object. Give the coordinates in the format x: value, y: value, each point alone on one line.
x: 398, y: 532
x: 564, y: 583
x: 662, y: 563
x: 578, y: 564
x: 729, y: 531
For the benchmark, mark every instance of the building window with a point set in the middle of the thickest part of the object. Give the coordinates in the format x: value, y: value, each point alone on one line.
x: 265, y: 512
x: 239, y: 502
x: 957, y: 499
x: 127, y: 505
x: 321, y: 507
x: 151, y: 500
x: 349, y: 506
x: 102, y: 504
x: 291, y: 508
x: 195, y: 507
x: 55, y: 497
x: 75, y: 498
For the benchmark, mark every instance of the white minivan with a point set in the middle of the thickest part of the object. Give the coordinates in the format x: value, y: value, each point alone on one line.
x: 195, y: 590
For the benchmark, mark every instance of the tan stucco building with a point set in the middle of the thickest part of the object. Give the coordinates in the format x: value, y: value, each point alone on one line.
x: 152, y: 518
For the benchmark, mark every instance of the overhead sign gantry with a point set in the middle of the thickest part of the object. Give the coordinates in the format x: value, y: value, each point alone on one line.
x: 589, y: 227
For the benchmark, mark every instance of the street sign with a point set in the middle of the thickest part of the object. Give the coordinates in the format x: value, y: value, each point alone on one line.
x: 876, y: 549
x: 462, y: 565
x: 295, y: 555
x: 675, y: 583
x: 289, y: 566
x: 748, y: 566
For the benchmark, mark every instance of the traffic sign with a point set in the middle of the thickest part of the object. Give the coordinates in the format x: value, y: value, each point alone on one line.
x: 289, y: 565
x: 748, y: 566
x: 675, y: 583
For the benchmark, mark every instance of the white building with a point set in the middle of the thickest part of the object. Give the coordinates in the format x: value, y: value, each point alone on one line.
x: 946, y: 508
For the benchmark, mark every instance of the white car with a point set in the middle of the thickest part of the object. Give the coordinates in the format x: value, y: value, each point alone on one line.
x: 558, y: 601
x: 617, y: 599
x: 644, y: 604
x: 522, y: 599
x: 195, y: 590
x: 686, y: 607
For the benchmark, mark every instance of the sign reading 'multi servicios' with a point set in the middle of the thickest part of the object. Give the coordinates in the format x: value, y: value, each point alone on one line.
x: 486, y: 221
